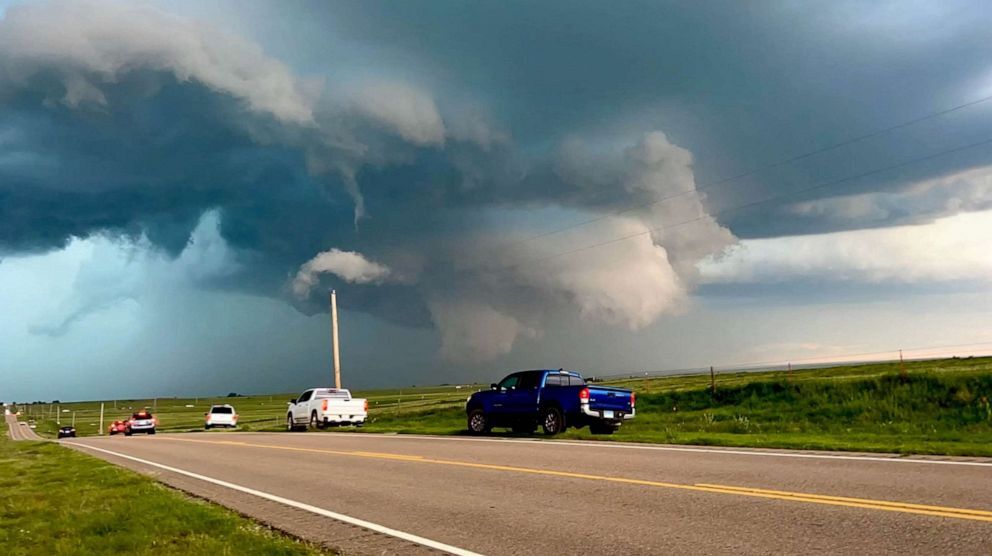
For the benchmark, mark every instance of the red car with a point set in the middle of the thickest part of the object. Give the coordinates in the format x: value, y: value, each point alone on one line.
x: 118, y: 427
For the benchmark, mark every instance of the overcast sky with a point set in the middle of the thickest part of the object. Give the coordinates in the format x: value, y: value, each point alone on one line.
x: 489, y: 186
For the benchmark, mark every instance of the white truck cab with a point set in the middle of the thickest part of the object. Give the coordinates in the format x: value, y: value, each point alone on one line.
x: 322, y: 407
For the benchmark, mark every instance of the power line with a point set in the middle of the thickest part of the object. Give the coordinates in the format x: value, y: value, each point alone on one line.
x: 760, y: 201
x: 753, y: 171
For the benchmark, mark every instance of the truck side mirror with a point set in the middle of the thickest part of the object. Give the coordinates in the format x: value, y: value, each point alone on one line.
x: 292, y: 401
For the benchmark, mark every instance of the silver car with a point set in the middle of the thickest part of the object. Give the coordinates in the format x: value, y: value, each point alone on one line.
x: 141, y: 421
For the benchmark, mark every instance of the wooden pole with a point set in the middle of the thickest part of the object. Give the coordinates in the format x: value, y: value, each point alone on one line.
x: 100, y: 432
x: 334, y: 339
x: 712, y: 381
x: 902, y: 368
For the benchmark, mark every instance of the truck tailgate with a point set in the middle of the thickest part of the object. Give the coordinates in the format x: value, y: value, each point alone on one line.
x: 344, y: 407
x: 606, y: 398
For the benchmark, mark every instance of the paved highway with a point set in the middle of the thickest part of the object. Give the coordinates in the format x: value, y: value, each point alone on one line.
x: 19, y: 432
x: 503, y: 496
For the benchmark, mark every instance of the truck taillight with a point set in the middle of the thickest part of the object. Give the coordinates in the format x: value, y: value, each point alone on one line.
x: 584, y: 394
x: 366, y: 406
x: 323, y: 405
x: 633, y: 398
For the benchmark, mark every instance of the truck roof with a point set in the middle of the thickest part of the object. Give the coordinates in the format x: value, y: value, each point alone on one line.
x: 559, y: 371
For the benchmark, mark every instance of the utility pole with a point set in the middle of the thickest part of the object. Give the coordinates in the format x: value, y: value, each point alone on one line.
x: 58, y: 415
x: 789, y: 376
x: 334, y: 339
x: 712, y: 381
x: 100, y: 432
x: 902, y: 368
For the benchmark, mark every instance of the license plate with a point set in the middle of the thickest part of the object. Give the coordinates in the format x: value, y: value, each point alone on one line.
x: 607, y: 415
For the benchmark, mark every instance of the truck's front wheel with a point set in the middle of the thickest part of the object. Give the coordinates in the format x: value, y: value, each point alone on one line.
x: 290, y: 425
x: 552, y: 421
x: 478, y: 422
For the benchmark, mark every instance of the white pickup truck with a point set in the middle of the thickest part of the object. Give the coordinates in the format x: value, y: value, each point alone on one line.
x: 321, y: 407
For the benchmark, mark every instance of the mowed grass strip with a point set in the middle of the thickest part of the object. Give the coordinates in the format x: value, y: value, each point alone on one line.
x: 58, y: 501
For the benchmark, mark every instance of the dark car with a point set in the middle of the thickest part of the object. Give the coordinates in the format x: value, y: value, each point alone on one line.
x: 67, y: 432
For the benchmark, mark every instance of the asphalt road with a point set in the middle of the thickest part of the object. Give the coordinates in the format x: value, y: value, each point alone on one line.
x: 528, y: 497
x: 19, y: 432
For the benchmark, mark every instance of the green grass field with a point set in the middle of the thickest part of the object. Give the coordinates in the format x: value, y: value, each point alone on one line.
x: 58, y: 501
x: 942, y: 407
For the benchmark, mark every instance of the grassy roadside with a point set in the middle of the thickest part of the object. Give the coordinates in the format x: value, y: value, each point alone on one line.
x: 58, y: 501
x: 942, y: 407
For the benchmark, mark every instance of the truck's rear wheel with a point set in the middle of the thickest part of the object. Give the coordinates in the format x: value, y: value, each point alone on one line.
x: 552, y: 421
x: 315, y: 422
x: 478, y: 422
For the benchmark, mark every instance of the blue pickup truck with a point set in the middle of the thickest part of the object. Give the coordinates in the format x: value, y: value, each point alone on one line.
x: 555, y: 400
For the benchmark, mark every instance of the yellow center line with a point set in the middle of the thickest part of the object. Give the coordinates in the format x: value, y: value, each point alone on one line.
x: 848, y: 499
x: 865, y: 503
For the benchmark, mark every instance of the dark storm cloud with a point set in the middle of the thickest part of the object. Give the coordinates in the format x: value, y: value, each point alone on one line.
x: 740, y: 85
x: 125, y: 120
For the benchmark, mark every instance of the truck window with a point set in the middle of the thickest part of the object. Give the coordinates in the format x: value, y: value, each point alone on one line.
x: 576, y: 380
x: 529, y: 381
x: 510, y: 382
x: 305, y: 396
x: 554, y: 380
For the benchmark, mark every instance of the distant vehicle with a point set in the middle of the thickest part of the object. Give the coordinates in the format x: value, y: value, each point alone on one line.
x: 67, y: 432
x: 555, y: 400
x: 117, y: 427
x: 141, y: 421
x: 322, y: 407
x: 23, y: 424
x: 220, y: 416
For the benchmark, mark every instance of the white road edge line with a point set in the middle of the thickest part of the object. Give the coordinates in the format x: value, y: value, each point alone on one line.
x: 299, y: 505
x: 607, y: 444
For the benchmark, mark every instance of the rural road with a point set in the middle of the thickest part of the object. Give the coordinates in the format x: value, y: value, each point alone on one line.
x: 18, y: 432
x: 505, y: 496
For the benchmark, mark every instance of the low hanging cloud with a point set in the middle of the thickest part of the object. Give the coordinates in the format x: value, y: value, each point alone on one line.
x: 349, y: 266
